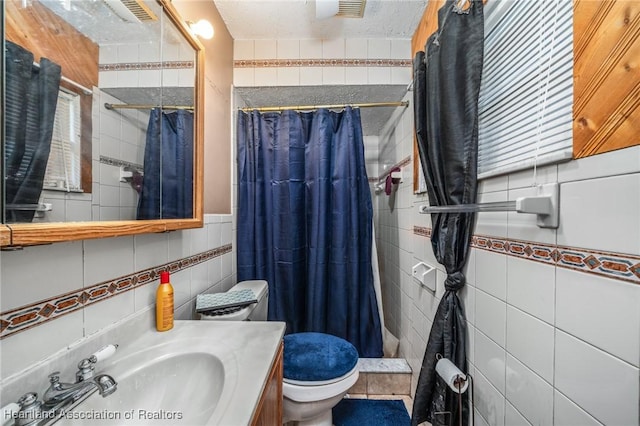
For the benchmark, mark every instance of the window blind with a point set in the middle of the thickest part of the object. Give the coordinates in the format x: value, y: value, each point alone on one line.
x: 526, y: 95
x: 63, y: 168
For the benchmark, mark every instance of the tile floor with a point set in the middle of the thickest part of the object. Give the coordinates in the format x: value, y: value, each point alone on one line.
x: 383, y: 378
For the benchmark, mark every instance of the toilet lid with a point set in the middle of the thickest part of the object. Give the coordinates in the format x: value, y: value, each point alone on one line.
x: 312, y: 357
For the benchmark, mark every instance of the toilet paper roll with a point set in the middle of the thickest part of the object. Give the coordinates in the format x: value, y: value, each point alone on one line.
x: 452, y: 375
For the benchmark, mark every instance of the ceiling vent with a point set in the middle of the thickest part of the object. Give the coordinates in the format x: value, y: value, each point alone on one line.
x: 132, y: 10
x: 351, y: 8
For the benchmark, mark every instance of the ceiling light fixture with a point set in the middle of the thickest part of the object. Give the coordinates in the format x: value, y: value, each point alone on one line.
x: 202, y: 28
x: 326, y: 8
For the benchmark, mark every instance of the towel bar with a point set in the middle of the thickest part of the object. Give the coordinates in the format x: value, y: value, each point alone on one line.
x: 545, y: 205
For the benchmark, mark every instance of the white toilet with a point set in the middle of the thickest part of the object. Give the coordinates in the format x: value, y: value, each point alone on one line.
x: 313, y: 382
x: 319, y: 370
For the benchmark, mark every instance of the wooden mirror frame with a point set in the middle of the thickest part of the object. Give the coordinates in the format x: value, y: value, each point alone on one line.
x: 25, y: 234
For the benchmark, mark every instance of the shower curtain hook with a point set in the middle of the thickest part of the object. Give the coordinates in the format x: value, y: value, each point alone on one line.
x: 459, y: 7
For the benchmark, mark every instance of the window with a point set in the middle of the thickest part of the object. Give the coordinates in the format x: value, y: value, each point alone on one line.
x: 526, y: 97
x: 64, y: 167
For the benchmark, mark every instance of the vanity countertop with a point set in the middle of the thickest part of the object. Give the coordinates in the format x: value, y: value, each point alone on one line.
x: 248, y: 350
x: 166, y: 371
x: 214, y: 372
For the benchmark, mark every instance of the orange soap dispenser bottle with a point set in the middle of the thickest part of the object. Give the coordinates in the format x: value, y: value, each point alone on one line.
x: 164, y: 303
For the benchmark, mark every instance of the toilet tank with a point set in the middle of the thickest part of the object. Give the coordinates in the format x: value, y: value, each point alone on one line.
x: 254, y: 312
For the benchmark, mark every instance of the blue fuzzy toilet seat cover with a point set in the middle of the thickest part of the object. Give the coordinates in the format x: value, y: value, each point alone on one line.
x: 313, y: 357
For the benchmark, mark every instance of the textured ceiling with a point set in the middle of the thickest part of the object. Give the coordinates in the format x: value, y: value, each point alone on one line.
x: 96, y: 20
x: 373, y: 119
x: 295, y: 19
x: 254, y: 19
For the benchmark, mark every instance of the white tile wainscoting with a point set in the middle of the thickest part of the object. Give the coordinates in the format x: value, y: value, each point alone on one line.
x: 552, y: 315
x: 54, y: 295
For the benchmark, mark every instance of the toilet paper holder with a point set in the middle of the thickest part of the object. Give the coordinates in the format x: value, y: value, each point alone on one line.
x: 458, y: 382
x: 425, y: 275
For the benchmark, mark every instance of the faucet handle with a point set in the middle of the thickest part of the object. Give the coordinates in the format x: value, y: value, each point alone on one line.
x: 53, y: 378
x: 28, y: 399
x: 87, y: 365
x: 85, y: 370
x: 103, y: 353
x: 30, y: 409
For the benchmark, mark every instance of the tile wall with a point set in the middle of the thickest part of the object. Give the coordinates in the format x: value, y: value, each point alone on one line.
x: 554, y: 341
x: 121, y: 141
x: 202, y: 260
x: 146, y: 65
x: 316, y: 62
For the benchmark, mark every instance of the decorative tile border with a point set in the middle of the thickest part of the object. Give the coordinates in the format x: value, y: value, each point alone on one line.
x: 422, y: 231
x: 26, y: 317
x: 145, y: 66
x: 617, y: 266
x: 285, y: 63
x: 121, y: 163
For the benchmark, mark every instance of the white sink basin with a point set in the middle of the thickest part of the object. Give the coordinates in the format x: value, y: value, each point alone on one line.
x: 199, y: 373
x: 159, y: 391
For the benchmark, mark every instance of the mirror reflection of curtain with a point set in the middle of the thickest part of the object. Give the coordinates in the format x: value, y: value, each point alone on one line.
x: 30, y: 104
x: 167, y: 184
x: 305, y: 222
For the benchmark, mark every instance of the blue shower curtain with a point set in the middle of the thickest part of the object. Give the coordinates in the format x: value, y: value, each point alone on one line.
x: 167, y: 185
x: 304, y: 222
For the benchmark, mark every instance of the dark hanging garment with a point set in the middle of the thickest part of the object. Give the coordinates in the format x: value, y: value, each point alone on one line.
x: 30, y: 102
x: 447, y: 134
x: 167, y: 184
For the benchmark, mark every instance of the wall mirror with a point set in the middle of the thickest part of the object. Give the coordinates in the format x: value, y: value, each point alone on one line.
x: 102, y: 128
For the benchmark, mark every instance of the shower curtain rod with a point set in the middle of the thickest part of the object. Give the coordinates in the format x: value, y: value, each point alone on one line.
x: 126, y: 106
x: 71, y: 82
x: 308, y: 107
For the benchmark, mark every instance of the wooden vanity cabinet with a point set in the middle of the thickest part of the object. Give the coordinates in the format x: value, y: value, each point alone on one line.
x: 269, y: 411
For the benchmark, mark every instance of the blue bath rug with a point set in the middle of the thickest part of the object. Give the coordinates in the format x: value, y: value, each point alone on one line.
x: 370, y: 412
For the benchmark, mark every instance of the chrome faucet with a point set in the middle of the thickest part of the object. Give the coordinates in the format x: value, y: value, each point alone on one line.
x: 60, y: 395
